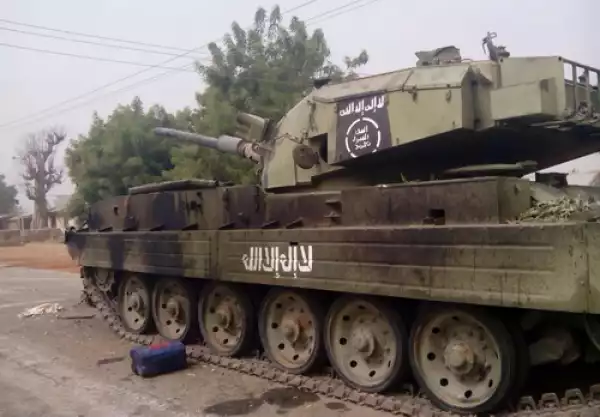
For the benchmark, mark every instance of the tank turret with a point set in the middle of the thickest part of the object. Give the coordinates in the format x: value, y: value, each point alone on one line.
x: 445, y: 115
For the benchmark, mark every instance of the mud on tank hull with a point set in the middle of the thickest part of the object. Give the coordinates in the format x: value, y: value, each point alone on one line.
x: 433, y: 281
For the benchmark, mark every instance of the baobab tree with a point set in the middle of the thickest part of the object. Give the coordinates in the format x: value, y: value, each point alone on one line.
x: 39, y: 172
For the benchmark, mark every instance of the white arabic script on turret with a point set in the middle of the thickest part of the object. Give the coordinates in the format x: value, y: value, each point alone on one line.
x: 364, y: 135
x: 360, y: 138
x: 361, y: 107
x: 272, y: 259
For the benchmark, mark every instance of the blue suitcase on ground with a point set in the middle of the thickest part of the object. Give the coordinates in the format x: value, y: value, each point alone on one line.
x: 158, y: 358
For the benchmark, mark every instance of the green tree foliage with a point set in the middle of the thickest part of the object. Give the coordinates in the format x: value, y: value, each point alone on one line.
x: 190, y: 161
x: 8, y: 197
x: 264, y: 70
x: 118, y: 153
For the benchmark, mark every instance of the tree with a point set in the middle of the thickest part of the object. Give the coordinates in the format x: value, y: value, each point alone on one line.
x: 191, y: 161
x: 39, y: 171
x: 118, y: 153
x: 265, y: 70
x: 8, y: 197
x: 76, y: 208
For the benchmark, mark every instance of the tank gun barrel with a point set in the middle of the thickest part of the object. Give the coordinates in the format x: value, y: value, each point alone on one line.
x: 224, y: 143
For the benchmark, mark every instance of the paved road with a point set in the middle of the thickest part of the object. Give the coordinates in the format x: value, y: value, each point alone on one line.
x: 49, y: 367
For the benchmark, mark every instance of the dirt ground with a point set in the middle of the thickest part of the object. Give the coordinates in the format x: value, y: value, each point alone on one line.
x: 53, y: 256
x: 71, y: 365
x: 55, y: 367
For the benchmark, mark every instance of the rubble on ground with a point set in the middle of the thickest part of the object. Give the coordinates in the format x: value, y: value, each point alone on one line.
x: 45, y: 308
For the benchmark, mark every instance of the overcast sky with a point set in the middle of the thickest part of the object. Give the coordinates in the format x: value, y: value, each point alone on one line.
x: 390, y: 30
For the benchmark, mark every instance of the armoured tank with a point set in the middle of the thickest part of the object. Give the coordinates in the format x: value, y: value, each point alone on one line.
x: 392, y: 246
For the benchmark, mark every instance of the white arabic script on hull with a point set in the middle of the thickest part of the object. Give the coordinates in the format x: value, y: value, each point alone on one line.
x: 297, y: 258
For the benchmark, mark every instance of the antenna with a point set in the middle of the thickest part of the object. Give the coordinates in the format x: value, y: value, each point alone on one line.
x: 495, y: 53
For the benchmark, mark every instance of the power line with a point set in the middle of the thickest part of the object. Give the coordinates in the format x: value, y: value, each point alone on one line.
x: 102, y: 87
x: 88, y: 57
x: 107, y: 45
x: 343, y: 6
x: 136, y: 84
x: 110, y: 84
x: 331, y: 16
x: 301, y: 5
x: 140, y: 83
x: 70, y: 32
x: 148, y: 80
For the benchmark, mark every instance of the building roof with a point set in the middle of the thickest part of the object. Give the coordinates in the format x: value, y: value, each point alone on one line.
x: 59, y: 203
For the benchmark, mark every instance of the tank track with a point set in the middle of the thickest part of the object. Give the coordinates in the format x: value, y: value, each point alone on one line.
x: 574, y: 402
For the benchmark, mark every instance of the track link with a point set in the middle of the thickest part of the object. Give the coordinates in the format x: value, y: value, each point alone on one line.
x: 572, y: 404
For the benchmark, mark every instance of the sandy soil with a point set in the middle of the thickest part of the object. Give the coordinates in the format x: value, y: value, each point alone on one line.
x: 53, y: 256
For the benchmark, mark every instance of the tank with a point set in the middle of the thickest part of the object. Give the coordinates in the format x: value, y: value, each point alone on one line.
x: 392, y: 239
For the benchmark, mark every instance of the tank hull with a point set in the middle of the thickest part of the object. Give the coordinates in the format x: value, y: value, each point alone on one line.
x: 547, y: 267
x: 409, y: 255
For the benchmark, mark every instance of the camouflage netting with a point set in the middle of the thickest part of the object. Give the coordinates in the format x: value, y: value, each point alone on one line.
x: 562, y: 209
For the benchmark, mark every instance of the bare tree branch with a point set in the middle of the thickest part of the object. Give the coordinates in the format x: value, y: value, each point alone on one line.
x: 39, y: 171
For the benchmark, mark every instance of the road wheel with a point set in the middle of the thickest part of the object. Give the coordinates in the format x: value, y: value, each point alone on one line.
x: 174, y: 302
x: 134, y: 305
x: 366, y: 343
x: 226, y: 319
x: 463, y: 358
x: 291, y: 329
